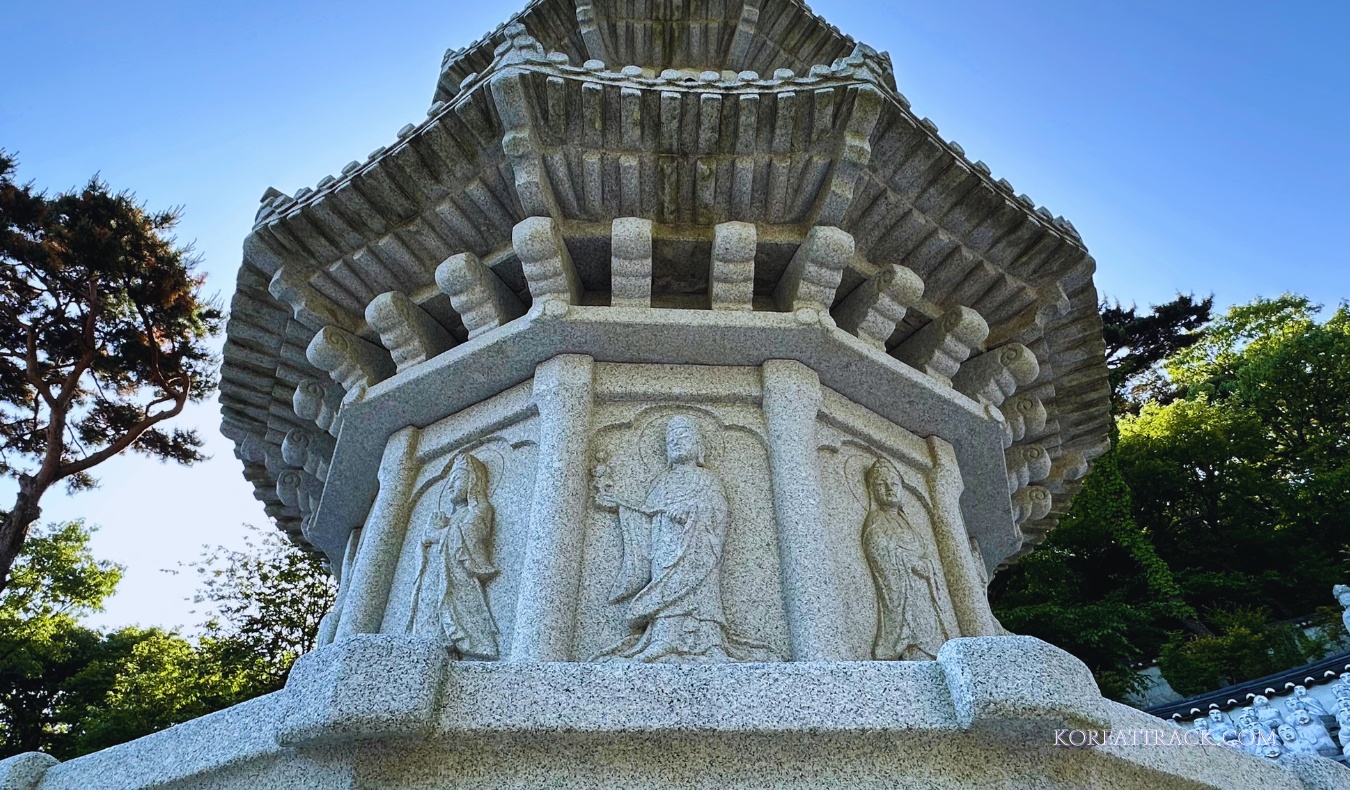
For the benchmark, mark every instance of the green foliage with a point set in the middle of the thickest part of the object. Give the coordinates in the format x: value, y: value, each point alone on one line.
x: 266, y: 601
x: 1222, y: 505
x: 1249, y: 479
x: 1136, y: 343
x: 67, y: 689
x: 162, y: 680
x: 57, y: 576
x: 1246, y: 647
x: 1095, y: 587
x: 48, y: 660
x: 1243, y: 333
x: 102, y: 340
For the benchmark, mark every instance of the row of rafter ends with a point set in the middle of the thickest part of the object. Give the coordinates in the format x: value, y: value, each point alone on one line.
x: 400, y: 257
x: 436, y: 158
x: 740, y: 31
x: 259, y: 361
x: 946, y: 349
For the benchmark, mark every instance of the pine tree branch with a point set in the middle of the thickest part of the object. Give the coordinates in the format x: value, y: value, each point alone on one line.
x: 128, y: 438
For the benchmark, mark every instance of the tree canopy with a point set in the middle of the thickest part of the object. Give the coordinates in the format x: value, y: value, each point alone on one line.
x: 102, y: 340
x: 1219, y: 513
x: 68, y: 689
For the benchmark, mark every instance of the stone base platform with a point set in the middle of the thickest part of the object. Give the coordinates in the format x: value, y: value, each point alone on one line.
x: 390, y: 712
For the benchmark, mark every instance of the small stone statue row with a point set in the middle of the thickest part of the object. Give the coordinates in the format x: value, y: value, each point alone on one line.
x: 1262, y: 730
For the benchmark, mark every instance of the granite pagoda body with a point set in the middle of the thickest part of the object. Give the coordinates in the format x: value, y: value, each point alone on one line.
x: 663, y: 403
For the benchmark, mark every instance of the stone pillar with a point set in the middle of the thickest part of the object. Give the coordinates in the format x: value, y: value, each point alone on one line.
x: 970, y: 599
x: 546, y: 607
x: 815, y: 611
x: 372, y: 573
x: 328, y: 623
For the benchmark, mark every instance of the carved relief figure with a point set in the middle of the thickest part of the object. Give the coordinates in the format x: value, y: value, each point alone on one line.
x: 913, y: 615
x: 671, y: 575
x: 457, y: 563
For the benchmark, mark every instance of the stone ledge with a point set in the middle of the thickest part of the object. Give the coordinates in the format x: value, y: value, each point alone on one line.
x: 998, y: 680
x: 385, y: 686
x: 491, y: 363
x: 363, y: 687
x: 747, y: 698
x: 202, y: 747
x: 373, y: 705
x: 24, y: 771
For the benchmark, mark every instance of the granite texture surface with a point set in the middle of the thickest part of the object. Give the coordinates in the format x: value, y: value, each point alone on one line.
x: 938, y: 724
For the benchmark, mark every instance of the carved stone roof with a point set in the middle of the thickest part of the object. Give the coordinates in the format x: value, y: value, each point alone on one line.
x: 754, y: 111
x: 1326, y: 670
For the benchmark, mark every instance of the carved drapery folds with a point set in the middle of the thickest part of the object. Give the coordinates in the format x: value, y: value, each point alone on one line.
x: 543, y: 142
x: 914, y: 615
x: 882, y: 308
x: 456, y: 564
x: 751, y: 168
x: 673, y: 544
x: 665, y: 514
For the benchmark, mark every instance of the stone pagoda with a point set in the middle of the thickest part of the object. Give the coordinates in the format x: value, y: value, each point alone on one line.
x: 663, y: 402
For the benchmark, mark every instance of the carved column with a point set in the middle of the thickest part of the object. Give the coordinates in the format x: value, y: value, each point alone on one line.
x: 372, y: 574
x: 329, y: 623
x: 970, y: 601
x: 815, y: 611
x: 546, y: 607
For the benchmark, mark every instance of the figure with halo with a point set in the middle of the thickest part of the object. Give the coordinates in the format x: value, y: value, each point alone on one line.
x: 914, y: 615
x: 673, y: 546
x: 457, y: 563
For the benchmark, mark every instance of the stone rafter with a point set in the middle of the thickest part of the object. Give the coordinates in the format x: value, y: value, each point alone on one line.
x: 766, y: 116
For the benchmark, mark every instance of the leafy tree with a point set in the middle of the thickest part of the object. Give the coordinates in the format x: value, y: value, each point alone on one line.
x: 68, y: 689
x: 1221, y: 506
x: 1210, y: 511
x: 44, y: 652
x: 102, y: 340
x: 266, y: 601
x: 1249, y: 479
x: 1246, y: 647
x: 1095, y: 587
x: 1274, y: 361
x: 162, y: 680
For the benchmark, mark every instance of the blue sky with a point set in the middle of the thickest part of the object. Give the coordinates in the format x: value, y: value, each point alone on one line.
x: 1197, y: 146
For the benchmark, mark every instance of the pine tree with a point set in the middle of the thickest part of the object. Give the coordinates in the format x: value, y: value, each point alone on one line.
x: 102, y: 340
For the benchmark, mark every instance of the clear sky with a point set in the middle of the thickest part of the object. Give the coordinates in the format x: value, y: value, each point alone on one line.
x: 1197, y: 146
